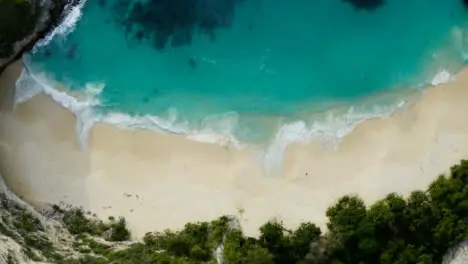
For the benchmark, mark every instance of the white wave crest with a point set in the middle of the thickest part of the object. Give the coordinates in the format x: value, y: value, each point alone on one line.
x: 26, y: 88
x: 169, y: 126
x: 28, y: 85
x: 71, y: 16
x: 442, y: 77
x: 331, y: 128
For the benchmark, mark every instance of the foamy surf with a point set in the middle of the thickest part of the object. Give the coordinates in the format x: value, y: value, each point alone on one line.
x: 442, y: 77
x: 330, y: 128
x: 30, y: 84
x: 71, y: 16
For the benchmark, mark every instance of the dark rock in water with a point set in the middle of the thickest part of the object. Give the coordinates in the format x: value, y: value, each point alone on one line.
x: 47, y: 53
x: 181, y: 37
x: 152, y: 94
x: 211, y: 35
x: 155, y: 92
x: 174, y: 21
x: 366, y: 4
x: 192, y: 63
x: 160, y: 41
x: 465, y: 2
x: 71, y: 54
x: 140, y: 35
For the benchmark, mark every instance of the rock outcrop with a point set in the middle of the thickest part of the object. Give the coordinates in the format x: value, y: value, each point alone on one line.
x: 368, y: 5
x: 172, y: 22
x: 24, y: 22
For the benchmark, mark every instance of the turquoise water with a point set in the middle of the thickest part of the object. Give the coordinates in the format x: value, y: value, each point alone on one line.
x: 272, y: 58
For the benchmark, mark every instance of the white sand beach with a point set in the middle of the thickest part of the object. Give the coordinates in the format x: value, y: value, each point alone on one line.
x: 159, y: 181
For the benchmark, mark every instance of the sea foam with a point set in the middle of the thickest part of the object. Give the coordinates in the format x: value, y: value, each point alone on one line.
x: 331, y: 128
x: 72, y: 14
x: 442, y: 77
x: 30, y: 84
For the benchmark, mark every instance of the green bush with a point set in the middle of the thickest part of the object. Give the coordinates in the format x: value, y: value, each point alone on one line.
x: 419, y: 229
x: 119, y: 231
x: 77, y: 223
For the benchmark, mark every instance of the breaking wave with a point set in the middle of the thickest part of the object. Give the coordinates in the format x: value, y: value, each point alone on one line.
x: 71, y: 15
x: 331, y: 126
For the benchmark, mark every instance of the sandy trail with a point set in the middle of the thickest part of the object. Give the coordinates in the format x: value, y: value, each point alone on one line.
x: 162, y: 181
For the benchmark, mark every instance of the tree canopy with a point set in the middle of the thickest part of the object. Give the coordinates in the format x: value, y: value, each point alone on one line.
x: 418, y: 229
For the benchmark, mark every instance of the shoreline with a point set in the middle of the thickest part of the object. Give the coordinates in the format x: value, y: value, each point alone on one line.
x: 329, y: 125
x: 158, y: 181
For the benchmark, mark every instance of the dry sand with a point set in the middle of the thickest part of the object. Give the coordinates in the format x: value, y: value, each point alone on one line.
x: 162, y: 181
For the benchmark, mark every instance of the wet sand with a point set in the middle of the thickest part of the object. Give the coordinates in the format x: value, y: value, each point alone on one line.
x: 162, y: 181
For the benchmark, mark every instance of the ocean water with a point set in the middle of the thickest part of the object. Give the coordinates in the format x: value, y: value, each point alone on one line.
x: 246, y: 71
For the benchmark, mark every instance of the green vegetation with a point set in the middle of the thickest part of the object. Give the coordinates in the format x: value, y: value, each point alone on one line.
x: 26, y: 229
x: 419, y: 229
x: 194, y: 244
x: 77, y: 223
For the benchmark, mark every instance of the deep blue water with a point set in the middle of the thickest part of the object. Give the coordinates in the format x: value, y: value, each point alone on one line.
x: 253, y: 59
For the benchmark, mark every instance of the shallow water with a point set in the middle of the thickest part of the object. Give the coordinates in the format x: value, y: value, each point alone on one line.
x: 268, y: 64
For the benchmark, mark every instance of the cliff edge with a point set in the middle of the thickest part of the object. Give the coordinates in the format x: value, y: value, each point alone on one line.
x: 25, y: 22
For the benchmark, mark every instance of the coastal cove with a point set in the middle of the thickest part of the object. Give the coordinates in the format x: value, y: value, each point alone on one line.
x: 151, y: 178
x: 234, y: 132
x: 248, y: 71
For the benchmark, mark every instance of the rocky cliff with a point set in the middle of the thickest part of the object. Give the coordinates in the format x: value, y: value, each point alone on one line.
x: 25, y: 22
